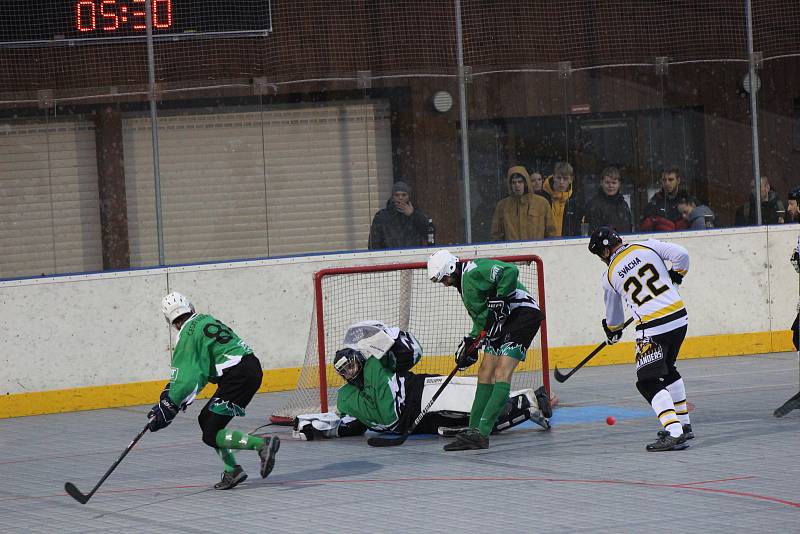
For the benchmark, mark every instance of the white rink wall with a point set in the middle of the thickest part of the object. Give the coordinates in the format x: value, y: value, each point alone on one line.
x: 103, y: 329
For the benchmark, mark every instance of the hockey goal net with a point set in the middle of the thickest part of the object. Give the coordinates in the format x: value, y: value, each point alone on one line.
x: 400, y: 295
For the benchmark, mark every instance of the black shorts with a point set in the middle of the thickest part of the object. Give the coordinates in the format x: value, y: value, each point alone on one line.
x: 241, y: 382
x: 671, y: 345
x: 517, y: 333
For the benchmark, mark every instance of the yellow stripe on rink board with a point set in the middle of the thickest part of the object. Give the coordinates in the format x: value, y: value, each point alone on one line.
x: 118, y: 395
x: 143, y: 393
x: 693, y: 347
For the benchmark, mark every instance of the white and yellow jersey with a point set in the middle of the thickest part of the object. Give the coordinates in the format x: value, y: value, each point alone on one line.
x: 637, y: 273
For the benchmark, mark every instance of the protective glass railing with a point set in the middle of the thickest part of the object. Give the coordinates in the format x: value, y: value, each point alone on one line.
x: 238, y: 130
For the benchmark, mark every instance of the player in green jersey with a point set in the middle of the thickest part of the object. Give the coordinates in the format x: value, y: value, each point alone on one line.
x: 496, y: 301
x: 209, y: 351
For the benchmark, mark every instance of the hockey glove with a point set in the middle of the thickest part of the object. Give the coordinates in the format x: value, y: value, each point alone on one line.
x: 467, y: 354
x: 499, y: 308
x: 612, y: 336
x: 162, y: 414
x: 676, y: 277
x: 795, y: 259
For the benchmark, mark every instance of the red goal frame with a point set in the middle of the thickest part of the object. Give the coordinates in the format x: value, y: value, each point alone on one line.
x: 320, y: 316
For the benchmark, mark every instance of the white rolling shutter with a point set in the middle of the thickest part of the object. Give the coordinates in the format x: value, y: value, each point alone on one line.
x: 249, y: 184
x: 49, y: 206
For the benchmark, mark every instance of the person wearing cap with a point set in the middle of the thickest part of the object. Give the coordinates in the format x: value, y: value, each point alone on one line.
x: 792, y: 210
x: 399, y: 224
x: 522, y: 214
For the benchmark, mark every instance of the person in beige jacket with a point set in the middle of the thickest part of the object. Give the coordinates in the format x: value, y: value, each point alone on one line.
x: 522, y: 215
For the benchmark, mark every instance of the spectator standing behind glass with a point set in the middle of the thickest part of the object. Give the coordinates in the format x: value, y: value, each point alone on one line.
x: 772, y: 211
x: 564, y: 206
x: 792, y: 210
x: 698, y: 217
x: 608, y: 206
x: 537, y: 186
x: 522, y: 214
x: 661, y: 213
x: 399, y: 224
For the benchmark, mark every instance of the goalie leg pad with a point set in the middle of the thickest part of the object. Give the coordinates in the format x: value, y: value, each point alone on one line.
x: 308, y: 427
x: 519, y: 409
x: 456, y: 397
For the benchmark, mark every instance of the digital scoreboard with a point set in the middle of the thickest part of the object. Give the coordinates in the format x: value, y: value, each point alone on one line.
x: 41, y: 21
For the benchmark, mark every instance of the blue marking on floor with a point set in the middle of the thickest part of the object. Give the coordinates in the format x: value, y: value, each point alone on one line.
x: 575, y: 415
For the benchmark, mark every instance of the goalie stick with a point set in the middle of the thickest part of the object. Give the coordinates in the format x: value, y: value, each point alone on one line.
x: 561, y: 377
x: 82, y: 498
x: 393, y: 442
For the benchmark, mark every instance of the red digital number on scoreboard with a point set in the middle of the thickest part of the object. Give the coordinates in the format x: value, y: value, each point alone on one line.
x: 108, y: 16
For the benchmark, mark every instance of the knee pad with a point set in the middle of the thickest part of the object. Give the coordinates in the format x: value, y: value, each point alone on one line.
x: 210, y: 424
x: 672, y: 375
x: 648, y: 388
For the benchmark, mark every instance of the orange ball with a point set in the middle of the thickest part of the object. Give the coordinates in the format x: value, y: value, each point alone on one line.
x: 610, y: 420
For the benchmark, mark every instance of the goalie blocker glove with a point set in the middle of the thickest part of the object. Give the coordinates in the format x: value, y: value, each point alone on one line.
x: 162, y: 414
x: 467, y: 353
x: 612, y: 336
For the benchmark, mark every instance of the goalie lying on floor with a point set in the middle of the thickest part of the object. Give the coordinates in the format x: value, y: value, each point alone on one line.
x: 382, y: 394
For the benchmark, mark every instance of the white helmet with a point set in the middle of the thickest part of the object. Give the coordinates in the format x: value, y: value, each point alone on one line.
x: 441, y: 264
x: 174, y: 305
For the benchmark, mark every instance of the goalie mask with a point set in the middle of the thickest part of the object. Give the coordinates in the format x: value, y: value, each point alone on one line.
x: 603, y: 238
x: 372, y: 338
x: 349, y: 364
x: 174, y: 305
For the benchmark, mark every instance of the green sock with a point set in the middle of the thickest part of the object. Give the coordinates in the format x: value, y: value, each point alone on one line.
x: 482, y: 394
x: 493, y: 406
x: 227, y: 457
x: 235, y: 439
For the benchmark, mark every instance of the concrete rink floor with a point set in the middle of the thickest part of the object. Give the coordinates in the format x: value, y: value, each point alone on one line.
x: 740, y: 474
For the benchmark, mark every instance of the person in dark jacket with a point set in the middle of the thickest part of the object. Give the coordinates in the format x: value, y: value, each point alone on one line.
x: 399, y: 224
x: 608, y: 207
x: 661, y: 213
x: 792, y: 208
x: 772, y: 211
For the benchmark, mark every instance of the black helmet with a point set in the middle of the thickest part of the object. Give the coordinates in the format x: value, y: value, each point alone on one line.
x: 794, y: 193
x: 602, y: 238
x: 349, y: 363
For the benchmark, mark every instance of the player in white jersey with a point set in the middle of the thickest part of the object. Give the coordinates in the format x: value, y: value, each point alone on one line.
x: 793, y: 402
x: 638, y: 275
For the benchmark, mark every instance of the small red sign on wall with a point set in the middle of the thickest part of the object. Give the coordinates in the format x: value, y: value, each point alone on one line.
x: 581, y: 108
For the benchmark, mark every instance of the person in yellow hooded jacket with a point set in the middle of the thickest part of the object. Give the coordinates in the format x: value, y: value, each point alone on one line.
x: 522, y: 214
x: 566, y: 212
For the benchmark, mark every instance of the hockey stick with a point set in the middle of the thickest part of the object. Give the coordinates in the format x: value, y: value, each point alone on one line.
x: 561, y: 377
x: 787, y: 406
x: 82, y: 498
x: 393, y: 442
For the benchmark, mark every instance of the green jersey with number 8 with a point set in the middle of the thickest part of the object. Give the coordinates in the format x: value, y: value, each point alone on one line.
x: 204, y: 349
